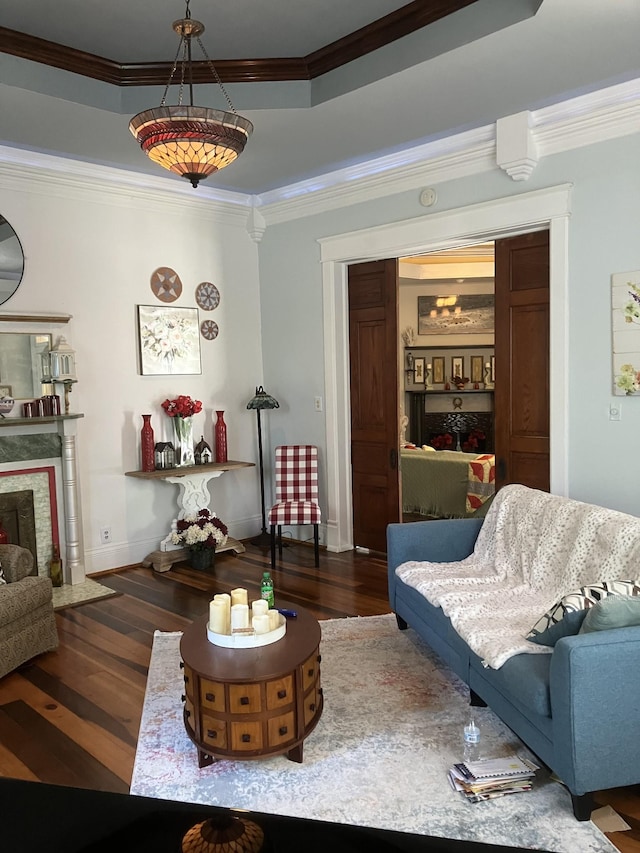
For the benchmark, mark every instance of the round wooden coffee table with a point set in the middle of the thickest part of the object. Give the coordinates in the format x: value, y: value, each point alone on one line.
x: 250, y: 703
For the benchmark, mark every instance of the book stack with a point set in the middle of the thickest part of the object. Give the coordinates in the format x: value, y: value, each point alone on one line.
x: 489, y: 778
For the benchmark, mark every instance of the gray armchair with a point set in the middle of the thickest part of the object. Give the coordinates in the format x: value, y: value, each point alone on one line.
x: 27, y: 621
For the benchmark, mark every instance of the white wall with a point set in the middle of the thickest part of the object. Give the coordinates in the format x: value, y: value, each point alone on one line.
x: 90, y: 251
x: 603, y: 239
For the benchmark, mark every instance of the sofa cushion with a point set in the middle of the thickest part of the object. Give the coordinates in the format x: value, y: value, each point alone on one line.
x: 566, y: 627
x: 613, y: 612
x: 581, y: 599
x: 2, y: 577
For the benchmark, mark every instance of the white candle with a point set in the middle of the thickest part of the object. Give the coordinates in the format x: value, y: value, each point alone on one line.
x: 260, y: 607
x: 218, y: 622
x: 239, y: 596
x: 274, y: 620
x: 261, y: 623
x: 239, y: 616
x: 225, y: 599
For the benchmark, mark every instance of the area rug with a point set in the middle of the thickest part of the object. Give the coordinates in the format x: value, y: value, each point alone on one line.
x: 391, y: 728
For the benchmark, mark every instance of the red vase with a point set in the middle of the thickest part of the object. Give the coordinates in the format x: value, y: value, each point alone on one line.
x: 147, y: 444
x: 221, y: 438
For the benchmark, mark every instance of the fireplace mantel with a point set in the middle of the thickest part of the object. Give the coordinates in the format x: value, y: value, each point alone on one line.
x: 65, y: 426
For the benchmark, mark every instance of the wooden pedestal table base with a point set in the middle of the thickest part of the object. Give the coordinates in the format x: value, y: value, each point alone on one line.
x: 161, y: 561
x: 193, y: 481
x: 251, y: 703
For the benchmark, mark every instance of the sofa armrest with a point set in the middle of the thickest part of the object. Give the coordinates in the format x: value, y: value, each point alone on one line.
x: 17, y: 562
x: 444, y: 540
x: 595, y: 706
x: 439, y: 541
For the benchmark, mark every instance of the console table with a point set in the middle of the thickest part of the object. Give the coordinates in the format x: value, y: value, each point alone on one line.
x: 193, y: 481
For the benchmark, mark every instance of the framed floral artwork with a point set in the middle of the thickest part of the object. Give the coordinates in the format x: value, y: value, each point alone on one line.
x: 418, y: 371
x: 625, y: 304
x: 169, y: 340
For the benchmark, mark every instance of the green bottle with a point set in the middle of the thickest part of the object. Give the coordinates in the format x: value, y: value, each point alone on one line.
x: 266, y: 589
x: 55, y: 567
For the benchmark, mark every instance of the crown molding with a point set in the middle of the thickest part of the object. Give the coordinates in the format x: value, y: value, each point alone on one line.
x: 397, y: 24
x: 456, y: 156
x: 76, y: 179
x: 585, y: 120
x: 600, y: 116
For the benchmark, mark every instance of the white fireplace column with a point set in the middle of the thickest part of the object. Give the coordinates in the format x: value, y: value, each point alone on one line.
x: 74, y: 550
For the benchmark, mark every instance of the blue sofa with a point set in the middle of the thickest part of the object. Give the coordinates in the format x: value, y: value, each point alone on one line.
x: 577, y: 708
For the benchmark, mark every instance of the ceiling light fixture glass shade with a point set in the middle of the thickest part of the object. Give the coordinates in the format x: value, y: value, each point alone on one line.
x: 191, y: 141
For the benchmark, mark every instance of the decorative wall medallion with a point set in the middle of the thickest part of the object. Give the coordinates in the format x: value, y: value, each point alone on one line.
x: 207, y: 296
x: 166, y: 284
x: 209, y: 329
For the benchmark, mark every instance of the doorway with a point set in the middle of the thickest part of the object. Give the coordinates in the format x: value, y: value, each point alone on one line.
x: 446, y: 328
x: 508, y: 216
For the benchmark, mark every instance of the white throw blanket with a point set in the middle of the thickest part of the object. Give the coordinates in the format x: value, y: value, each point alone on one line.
x: 532, y: 549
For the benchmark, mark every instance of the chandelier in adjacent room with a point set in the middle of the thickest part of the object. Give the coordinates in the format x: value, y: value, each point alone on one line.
x: 191, y: 141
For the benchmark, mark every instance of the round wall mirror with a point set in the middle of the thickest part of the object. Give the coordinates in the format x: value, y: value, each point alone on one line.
x: 11, y: 261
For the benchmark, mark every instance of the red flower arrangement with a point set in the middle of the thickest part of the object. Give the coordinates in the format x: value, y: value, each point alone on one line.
x: 182, y: 407
x: 442, y: 442
x: 473, y: 440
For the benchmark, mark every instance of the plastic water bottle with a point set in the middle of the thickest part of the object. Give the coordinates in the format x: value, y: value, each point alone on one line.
x: 471, y: 741
x: 266, y: 589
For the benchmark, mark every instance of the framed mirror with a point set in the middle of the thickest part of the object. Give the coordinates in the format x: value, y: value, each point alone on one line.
x: 20, y: 364
x: 11, y: 261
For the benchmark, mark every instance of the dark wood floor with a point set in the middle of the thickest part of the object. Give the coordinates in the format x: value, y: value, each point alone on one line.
x: 71, y: 717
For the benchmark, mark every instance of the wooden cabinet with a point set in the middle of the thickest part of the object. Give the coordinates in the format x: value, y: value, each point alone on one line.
x: 268, y: 713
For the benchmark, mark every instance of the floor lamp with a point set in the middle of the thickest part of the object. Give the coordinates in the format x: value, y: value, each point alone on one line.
x: 262, y: 400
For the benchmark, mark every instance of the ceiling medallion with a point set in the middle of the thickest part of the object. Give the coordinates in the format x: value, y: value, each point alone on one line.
x: 209, y: 330
x: 165, y: 284
x: 193, y: 142
x: 207, y: 296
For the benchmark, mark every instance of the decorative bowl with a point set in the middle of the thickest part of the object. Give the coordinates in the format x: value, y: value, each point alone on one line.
x: 6, y: 405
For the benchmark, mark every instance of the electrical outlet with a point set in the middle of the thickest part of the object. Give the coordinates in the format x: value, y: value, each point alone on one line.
x: 105, y: 535
x: 317, y: 404
x: 615, y: 412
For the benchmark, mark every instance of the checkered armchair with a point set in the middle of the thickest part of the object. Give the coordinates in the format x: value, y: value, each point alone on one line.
x: 296, y: 494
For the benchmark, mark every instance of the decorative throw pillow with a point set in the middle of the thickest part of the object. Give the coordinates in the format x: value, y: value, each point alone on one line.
x: 616, y: 611
x: 567, y: 627
x: 2, y: 577
x: 582, y: 599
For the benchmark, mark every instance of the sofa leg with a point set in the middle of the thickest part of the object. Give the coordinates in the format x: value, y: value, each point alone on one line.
x: 401, y: 623
x: 475, y: 701
x: 583, y: 805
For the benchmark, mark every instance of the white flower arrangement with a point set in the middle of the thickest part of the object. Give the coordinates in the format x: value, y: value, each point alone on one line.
x: 197, y: 532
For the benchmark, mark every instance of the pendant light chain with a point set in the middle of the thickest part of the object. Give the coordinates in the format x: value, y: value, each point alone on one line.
x: 216, y: 75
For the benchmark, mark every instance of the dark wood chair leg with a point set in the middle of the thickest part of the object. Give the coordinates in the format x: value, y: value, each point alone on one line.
x: 316, y: 544
x: 273, y: 547
x: 280, y: 540
x: 583, y: 805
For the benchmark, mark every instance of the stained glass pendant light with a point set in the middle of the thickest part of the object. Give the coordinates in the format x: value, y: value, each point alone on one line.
x: 191, y: 141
